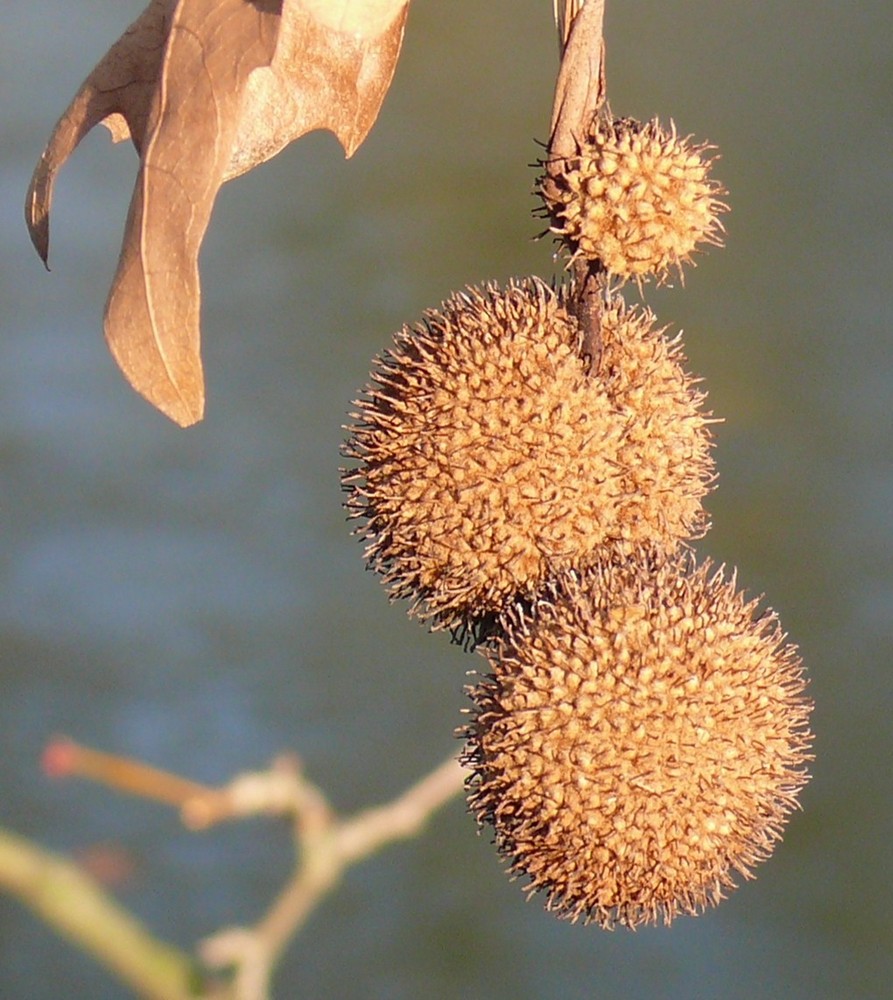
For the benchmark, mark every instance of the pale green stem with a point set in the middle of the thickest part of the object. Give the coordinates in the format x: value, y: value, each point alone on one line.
x: 72, y: 904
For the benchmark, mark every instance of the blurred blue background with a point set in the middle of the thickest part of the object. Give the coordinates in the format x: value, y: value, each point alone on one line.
x: 194, y: 598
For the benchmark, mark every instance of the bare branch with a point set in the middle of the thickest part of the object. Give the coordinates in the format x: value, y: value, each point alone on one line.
x: 328, y: 846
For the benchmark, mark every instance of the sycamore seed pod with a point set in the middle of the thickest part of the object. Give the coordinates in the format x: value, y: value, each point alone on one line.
x: 642, y: 735
x: 488, y: 458
x: 637, y: 199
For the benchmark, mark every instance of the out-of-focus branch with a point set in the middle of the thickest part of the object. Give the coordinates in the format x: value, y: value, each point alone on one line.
x: 69, y: 901
x: 326, y: 845
x: 63, y: 758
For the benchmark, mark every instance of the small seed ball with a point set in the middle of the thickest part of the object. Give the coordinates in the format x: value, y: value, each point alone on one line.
x: 642, y: 735
x: 488, y: 458
x: 636, y: 198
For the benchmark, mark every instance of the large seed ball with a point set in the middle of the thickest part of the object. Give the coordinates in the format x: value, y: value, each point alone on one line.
x: 488, y: 458
x: 642, y: 736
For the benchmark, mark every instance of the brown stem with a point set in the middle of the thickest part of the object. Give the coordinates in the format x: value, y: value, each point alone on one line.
x: 579, y: 98
x: 580, y: 87
x: 587, y: 304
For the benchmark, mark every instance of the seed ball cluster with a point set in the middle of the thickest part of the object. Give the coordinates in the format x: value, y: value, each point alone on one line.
x: 642, y: 736
x: 527, y: 466
x: 489, y: 458
x: 637, y: 198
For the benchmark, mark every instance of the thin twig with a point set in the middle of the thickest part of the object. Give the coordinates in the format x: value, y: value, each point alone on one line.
x: 579, y: 98
x: 63, y: 758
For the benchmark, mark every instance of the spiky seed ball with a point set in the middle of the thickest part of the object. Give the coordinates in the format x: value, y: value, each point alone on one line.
x: 642, y: 736
x: 489, y: 458
x: 637, y: 198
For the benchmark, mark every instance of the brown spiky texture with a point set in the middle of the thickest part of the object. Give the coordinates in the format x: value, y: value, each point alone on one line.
x: 643, y: 735
x: 638, y: 199
x: 489, y: 458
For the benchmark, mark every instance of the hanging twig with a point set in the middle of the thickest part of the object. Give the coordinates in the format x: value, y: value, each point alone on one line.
x: 579, y: 97
x: 580, y: 87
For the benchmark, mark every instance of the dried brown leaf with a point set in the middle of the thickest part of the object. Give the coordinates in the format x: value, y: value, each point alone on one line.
x: 152, y: 314
x: 206, y: 90
x: 323, y: 77
x: 118, y: 92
